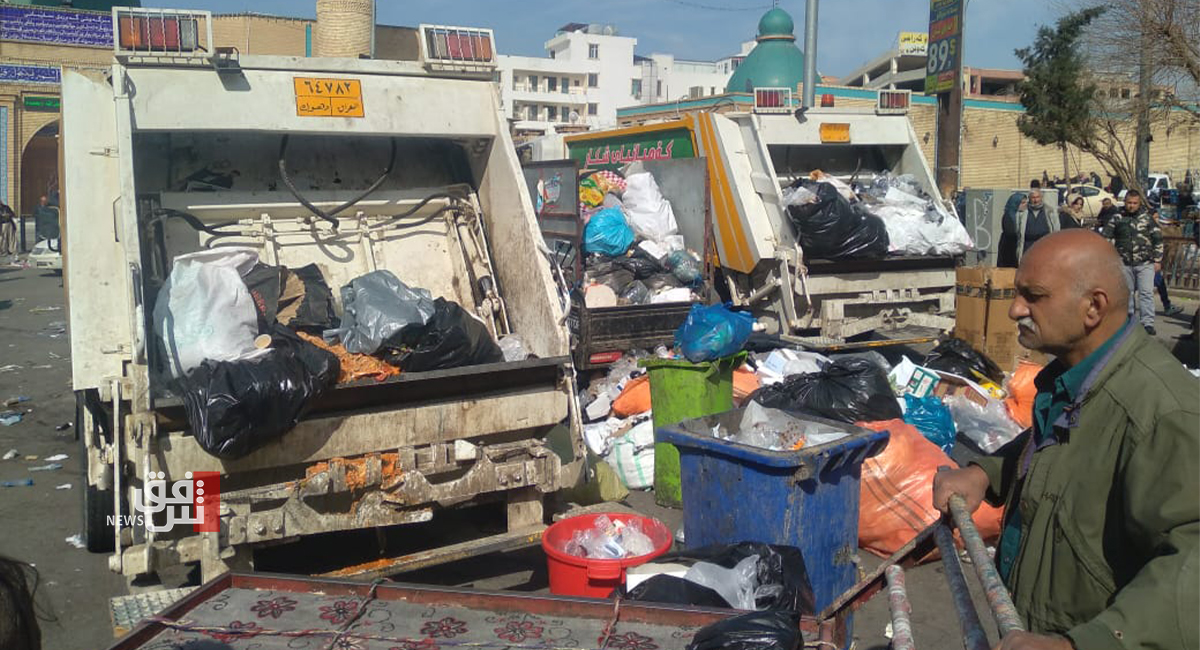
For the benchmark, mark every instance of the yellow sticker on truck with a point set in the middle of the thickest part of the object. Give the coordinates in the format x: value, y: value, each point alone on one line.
x: 318, y: 97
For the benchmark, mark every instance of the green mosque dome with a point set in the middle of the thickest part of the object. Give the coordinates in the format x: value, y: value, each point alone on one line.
x: 775, y: 61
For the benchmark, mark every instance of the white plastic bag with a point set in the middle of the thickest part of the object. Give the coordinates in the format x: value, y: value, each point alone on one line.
x: 632, y: 456
x: 204, y: 310
x: 798, y: 195
x: 918, y: 229
x: 988, y: 427
x: 648, y: 213
x: 736, y: 585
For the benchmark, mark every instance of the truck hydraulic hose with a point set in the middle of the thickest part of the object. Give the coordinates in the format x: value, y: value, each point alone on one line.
x: 331, y: 215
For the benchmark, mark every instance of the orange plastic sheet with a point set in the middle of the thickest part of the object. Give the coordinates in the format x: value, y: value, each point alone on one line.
x: 354, y: 366
x: 896, y: 500
x: 634, y: 398
x: 1021, y: 392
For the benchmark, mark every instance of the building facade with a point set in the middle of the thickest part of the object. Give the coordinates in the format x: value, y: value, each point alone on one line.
x: 590, y: 71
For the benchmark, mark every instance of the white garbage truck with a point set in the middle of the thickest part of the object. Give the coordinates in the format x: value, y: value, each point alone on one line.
x: 350, y: 165
x: 753, y: 156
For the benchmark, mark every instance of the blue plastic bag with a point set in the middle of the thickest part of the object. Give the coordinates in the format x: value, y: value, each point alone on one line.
x: 713, y: 331
x: 932, y: 418
x: 607, y: 233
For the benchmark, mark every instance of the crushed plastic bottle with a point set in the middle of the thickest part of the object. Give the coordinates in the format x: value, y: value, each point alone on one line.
x: 610, y: 540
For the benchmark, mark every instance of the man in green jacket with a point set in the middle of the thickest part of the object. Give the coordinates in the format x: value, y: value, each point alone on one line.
x: 1101, y: 540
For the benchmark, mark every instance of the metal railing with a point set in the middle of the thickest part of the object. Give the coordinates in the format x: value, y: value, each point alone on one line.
x: 1181, y: 262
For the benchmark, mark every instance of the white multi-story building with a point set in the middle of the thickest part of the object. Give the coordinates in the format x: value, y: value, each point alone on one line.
x: 589, y: 72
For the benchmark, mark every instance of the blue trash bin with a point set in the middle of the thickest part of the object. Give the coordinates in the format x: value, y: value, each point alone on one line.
x: 806, y: 498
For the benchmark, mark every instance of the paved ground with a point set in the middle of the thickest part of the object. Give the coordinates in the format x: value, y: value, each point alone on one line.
x: 76, y: 585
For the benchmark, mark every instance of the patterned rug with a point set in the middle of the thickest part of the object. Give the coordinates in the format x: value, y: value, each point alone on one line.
x: 265, y: 620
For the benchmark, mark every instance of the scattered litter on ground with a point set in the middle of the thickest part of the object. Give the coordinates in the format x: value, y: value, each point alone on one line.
x: 21, y: 483
x: 63, y: 427
x: 41, y: 367
x: 10, y: 368
x: 54, y: 330
x: 64, y: 486
x: 9, y: 418
x: 55, y: 356
x: 13, y: 401
x: 11, y: 454
x: 76, y: 540
x: 31, y: 457
x: 43, y: 310
x: 57, y: 457
x: 46, y: 468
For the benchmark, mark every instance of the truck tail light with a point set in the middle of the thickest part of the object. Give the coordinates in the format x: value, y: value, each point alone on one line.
x: 772, y: 100
x: 138, y: 31
x: 605, y: 357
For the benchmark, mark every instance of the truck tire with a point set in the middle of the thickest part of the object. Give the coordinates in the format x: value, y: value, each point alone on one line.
x: 98, y: 536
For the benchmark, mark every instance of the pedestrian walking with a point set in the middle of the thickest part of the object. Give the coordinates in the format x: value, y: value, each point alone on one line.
x: 8, y: 233
x: 1099, y: 545
x: 1160, y: 283
x: 1107, y: 210
x: 1071, y: 216
x: 1033, y: 220
x: 45, y: 220
x: 1138, y: 239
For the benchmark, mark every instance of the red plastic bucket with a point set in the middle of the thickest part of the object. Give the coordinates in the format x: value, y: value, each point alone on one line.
x: 595, y: 578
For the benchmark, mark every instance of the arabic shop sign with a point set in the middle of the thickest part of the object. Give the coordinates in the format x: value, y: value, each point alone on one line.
x: 610, y: 153
x: 945, y: 36
x: 42, y: 104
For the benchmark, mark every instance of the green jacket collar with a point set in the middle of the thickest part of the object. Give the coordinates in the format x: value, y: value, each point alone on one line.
x: 1096, y: 369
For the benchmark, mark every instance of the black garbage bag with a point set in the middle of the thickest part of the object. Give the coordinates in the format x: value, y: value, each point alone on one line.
x: 452, y: 338
x: 661, y: 281
x: 779, y: 567
x: 778, y: 630
x: 264, y: 283
x: 847, y: 390
x: 306, y: 301
x: 670, y: 590
x: 640, y: 265
x: 956, y: 356
x: 235, y: 407
x: 832, y: 228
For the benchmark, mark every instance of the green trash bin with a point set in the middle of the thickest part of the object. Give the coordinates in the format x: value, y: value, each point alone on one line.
x: 681, y: 390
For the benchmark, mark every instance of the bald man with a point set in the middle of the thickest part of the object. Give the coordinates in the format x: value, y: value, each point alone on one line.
x: 1102, y: 495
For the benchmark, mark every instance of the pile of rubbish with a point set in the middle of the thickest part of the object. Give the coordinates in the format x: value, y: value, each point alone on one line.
x: 250, y: 347
x: 768, y: 582
x: 610, y: 539
x: 870, y: 217
x: 634, y: 252
x: 768, y: 428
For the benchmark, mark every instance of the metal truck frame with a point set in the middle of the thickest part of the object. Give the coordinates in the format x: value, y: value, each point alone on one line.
x: 451, y: 216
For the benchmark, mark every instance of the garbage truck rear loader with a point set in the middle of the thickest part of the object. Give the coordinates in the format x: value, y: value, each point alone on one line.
x: 752, y: 157
x: 178, y: 150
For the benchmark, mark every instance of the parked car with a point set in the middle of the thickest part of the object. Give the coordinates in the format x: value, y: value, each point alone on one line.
x: 47, y: 254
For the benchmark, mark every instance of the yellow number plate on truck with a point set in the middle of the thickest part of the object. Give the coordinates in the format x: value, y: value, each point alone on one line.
x: 316, y: 97
x: 835, y: 132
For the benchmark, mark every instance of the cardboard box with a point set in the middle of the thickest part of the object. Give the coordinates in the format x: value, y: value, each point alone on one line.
x: 984, y: 296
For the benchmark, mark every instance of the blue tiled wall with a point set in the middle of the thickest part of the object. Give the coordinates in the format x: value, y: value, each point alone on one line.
x: 43, y: 25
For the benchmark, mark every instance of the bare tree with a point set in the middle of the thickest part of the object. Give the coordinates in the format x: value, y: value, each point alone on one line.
x: 1158, y: 37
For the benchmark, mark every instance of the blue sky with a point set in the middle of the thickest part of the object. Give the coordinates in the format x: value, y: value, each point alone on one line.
x: 851, y: 31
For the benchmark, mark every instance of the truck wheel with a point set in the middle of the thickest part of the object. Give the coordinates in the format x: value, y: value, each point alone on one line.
x: 97, y: 508
x: 97, y: 503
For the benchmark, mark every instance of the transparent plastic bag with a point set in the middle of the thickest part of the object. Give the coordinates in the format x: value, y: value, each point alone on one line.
x: 990, y: 427
x: 736, y: 585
